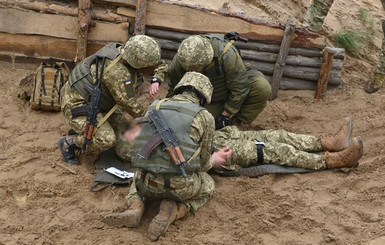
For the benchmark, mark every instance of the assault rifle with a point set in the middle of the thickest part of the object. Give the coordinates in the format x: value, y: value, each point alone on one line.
x: 235, y: 36
x: 93, y: 104
x: 166, y: 135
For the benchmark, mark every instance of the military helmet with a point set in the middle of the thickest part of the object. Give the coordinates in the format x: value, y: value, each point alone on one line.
x: 141, y: 51
x: 195, y: 52
x: 197, y: 80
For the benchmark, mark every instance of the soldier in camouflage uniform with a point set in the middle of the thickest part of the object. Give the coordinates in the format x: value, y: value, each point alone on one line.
x: 158, y: 177
x: 376, y: 82
x: 239, y: 94
x: 316, y: 14
x: 284, y: 148
x: 141, y: 54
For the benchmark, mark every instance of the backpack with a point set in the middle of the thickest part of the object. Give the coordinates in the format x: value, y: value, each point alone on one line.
x: 48, y: 80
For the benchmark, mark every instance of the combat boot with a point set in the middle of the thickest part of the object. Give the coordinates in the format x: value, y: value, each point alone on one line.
x: 346, y: 158
x: 169, y: 211
x: 130, y: 218
x: 340, y: 140
x: 68, y: 149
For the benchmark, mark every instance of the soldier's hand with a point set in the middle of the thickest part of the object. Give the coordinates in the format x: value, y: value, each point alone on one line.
x: 153, y: 90
x: 221, y: 156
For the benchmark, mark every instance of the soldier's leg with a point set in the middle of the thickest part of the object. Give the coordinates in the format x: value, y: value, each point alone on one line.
x: 376, y: 82
x: 316, y: 14
x: 256, y: 101
x: 133, y: 215
x: 283, y: 154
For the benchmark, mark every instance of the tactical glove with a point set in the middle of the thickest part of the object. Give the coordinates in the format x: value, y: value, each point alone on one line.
x: 222, y: 121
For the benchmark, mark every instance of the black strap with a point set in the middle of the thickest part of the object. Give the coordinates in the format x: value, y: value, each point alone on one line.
x: 260, y: 153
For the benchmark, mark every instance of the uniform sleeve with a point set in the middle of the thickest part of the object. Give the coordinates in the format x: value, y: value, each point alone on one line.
x: 176, y: 74
x: 114, y: 81
x: 202, y: 131
x: 236, y: 80
x: 161, y: 71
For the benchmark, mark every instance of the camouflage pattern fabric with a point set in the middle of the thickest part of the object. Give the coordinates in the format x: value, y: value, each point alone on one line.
x: 281, y: 148
x: 106, y: 136
x: 200, y: 187
x: 231, y: 87
x: 199, y: 81
x: 195, y: 52
x: 316, y: 14
x: 141, y: 51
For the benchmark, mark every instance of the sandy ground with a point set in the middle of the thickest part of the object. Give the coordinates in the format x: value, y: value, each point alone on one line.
x: 46, y: 201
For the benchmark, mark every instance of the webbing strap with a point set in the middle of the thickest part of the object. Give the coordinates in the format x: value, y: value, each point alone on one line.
x: 113, y: 109
x: 228, y: 45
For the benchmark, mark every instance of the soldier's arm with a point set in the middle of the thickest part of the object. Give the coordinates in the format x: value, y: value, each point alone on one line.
x: 176, y: 74
x: 161, y: 71
x: 236, y: 81
x: 202, y: 131
x: 115, y: 81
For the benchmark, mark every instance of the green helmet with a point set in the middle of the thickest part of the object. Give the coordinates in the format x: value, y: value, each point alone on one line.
x: 141, y: 51
x: 195, y: 52
x: 200, y: 82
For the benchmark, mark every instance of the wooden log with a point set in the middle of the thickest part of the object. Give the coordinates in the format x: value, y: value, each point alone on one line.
x: 19, y: 22
x: 140, y: 19
x: 84, y: 22
x: 295, y: 60
x: 117, y: 2
x: 187, y: 19
x: 50, y: 8
x: 281, y: 62
x: 298, y: 84
x: 304, y: 73
x: 43, y: 47
x: 324, y: 73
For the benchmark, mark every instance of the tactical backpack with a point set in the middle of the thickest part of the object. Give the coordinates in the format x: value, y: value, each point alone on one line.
x: 48, y: 80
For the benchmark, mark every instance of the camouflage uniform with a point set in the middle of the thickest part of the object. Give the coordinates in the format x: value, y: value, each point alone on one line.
x: 200, y: 186
x: 117, y: 87
x: 281, y: 148
x: 316, y: 14
x: 237, y: 90
x: 376, y: 82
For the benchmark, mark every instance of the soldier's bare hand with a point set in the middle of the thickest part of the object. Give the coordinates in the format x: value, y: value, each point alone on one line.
x: 153, y: 90
x: 221, y: 156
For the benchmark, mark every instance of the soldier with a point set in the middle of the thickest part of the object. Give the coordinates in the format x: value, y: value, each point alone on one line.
x: 316, y: 13
x: 376, y: 82
x: 193, y: 127
x: 289, y: 149
x: 141, y: 54
x: 239, y: 94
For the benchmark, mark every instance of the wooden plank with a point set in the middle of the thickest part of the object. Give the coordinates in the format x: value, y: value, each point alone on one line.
x: 42, y: 46
x: 298, y: 84
x: 186, y: 19
x: 281, y: 61
x: 324, y: 73
x: 19, y: 22
x: 84, y: 23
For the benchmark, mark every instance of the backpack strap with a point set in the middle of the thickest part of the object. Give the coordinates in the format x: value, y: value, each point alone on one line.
x: 228, y: 45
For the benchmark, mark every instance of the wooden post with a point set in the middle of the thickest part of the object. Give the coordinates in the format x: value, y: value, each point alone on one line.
x: 280, y: 64
x: 326, y: 67
x: 84, y: 19
x: 140, y: 17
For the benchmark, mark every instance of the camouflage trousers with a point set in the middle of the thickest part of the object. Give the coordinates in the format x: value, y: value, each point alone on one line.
x: 107, y: 136
x: 316, y: 14
x: 194, y: 193
x: 255, y: 102
x: 281, y: 148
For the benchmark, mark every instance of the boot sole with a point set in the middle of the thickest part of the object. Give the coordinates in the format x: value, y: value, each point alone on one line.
x: 61, y: 145
x: 120, y: 220
x: 161, y: 222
